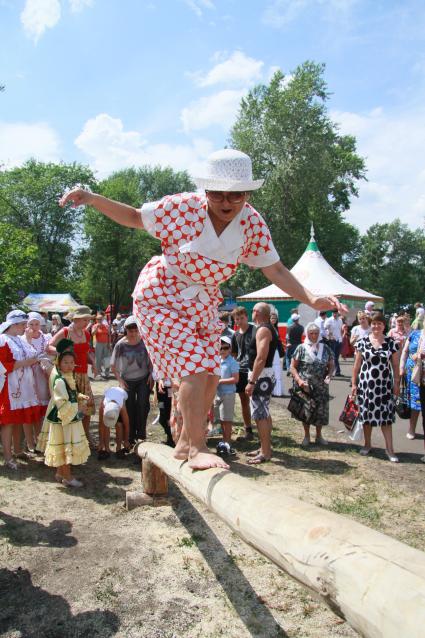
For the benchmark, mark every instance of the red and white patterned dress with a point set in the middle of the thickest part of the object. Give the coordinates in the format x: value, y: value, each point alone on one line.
x: 177, y: 295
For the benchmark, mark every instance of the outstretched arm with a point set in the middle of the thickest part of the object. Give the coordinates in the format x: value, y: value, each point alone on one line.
x: 279, y: 275
x: 121, y: 213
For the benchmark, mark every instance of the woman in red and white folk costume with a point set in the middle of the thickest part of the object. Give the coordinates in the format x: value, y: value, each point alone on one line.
x: 19, y: 404
x: 39, y: 342
x: 203, y: 238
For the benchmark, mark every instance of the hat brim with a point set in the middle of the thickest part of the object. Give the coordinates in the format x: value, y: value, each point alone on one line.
x: 225, y: 185
x: 4, y: 326
x: 76, y: 316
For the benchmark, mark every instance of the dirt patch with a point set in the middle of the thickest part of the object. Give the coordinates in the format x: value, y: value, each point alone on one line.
x: 77, y: 564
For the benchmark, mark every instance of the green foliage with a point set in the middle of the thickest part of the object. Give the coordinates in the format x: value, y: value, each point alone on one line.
x: 392, y: 263
x: 29, y: 201
x: 18, y: 265
x: 310, y: 170
x: 110, y: 263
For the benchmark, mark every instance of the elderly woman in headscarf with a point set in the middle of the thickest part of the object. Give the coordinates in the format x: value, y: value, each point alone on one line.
x: 311, y: 367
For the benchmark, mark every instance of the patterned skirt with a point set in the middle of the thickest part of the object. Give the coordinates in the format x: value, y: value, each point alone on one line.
x: 83, y: 386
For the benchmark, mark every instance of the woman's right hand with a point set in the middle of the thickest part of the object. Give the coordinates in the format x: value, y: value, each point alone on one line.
x: 78, y: 196
x: 353, y: 389
x: 31, y: 361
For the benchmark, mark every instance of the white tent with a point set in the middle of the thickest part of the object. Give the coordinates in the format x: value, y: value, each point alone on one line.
x: 314, y: 272
x: 50, y: 302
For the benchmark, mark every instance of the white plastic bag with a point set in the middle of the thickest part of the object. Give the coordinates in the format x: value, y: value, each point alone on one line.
x: 356, y: 433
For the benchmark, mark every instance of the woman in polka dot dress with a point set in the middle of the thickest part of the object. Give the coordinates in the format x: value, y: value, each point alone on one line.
x: 376, y: 381
x: 204, y: 237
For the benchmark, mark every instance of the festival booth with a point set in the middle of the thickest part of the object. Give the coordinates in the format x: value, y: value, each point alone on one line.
x: 314, y: 272
x: 50, y: 302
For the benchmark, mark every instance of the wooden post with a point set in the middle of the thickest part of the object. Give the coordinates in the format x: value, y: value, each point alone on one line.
x: 155, y: 481
x: 375, y: 582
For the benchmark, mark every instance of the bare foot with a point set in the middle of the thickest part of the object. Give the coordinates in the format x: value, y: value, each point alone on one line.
x: 181, y: 451
x: 260, y: 458
x: 253, y: 453
x: 205, y: 460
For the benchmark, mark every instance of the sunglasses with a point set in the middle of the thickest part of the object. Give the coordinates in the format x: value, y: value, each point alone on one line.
x: 234, y: 197
x: 224, y: 347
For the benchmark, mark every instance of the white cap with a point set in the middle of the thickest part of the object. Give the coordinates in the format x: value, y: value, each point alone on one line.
x: 35, y: 316
x: 226, y: 340
x: 369, y: 304
x: 111, y: 412
x: 295, y: 316
x: 130, y: 321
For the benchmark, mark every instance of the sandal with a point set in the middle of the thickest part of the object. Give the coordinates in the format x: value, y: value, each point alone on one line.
x: 256, y: 460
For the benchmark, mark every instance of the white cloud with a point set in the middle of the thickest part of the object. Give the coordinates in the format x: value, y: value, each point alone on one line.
x: 238, y: 69
x: 218, y: 109
x: 393, y: 147
x: 110, y: 148
x: 39, y: 15
x: 78, y: 5
x: 20, y: 141
x: 198, y: 6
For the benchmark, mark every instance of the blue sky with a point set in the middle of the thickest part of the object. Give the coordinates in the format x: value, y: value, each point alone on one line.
x: 115, y: 83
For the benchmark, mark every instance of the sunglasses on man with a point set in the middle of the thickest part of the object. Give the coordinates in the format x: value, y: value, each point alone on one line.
x: 234, y: 197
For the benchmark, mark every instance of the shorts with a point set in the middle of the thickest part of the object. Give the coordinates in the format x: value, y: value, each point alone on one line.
x: 260, y: 400
x: 243, y: 380
x: 224, y: 407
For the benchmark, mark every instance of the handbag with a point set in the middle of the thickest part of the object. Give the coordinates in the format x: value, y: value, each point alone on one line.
x: 402, y: 404
x: 350, y: 413
x: 302, y: 405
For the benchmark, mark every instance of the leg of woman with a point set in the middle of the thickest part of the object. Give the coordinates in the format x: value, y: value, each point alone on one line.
x: 29, y: 435
x: 414, y: 414
x: 306, y: 440
x: 192, y: 441
x: 367, y: 431
x: 6, y: 441
x: 422, y: 395
x: 17, y: 439
x: 387, y: 431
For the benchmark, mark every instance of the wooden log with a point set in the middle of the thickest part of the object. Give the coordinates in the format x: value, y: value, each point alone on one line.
x: 155, y: 481
x: 137, y: 499
x: 375, y: 582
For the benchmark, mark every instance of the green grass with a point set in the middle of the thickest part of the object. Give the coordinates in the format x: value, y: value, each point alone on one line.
x: 364, y: 508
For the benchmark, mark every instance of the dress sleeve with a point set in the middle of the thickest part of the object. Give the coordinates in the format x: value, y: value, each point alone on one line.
x: 258, y: 250
x: 393, y: 345
x: 6, y: 356
x: 298, y: 354
x: 67, y: 411
x: 360, y: 345
x: 162, y: 219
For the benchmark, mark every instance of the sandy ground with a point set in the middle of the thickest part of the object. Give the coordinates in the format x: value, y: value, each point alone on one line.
x: 76, y: 563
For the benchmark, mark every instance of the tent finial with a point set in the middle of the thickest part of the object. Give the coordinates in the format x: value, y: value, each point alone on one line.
x: 312, y: 237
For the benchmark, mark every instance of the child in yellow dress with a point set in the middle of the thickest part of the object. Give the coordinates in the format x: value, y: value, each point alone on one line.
x: 62, y: 438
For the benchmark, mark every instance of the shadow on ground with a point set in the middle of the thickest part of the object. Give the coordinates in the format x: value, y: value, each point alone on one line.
x: 35, y: 613
x: 256, y: 617
x: 25, y: 533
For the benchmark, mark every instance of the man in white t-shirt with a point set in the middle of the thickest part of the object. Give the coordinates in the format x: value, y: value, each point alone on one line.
x: 320, y: 323
x: 333, y: 326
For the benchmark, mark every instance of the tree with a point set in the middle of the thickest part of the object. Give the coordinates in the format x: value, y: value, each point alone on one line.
x: 29, y: 201
x: 310, y: 170
x: 392, y: 263
x: 18, y: 265
x: 114, y: 254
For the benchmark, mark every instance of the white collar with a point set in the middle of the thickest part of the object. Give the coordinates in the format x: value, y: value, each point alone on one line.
x: 225, y: 248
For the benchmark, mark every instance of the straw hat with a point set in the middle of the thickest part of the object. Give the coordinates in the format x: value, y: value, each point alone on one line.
x: 81, y: 312
x: 228, y: 170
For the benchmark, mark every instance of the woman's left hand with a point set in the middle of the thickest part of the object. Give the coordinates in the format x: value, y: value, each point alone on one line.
x: 396, y: 389
x: 328, y: 303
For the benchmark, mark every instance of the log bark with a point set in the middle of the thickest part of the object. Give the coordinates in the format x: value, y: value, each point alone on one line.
x: 375, y: 582
x: 137, y: 499
x: 155, y: 481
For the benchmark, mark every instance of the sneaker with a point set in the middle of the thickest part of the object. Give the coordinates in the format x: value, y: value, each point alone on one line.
x: 410, y: 436
x: 11, y: 465
x: 321, y: 441
x: 225, y: 450
x: 305, y: 442
x: 364, y: 451
x: 72, y: 483
x: 23, y: 456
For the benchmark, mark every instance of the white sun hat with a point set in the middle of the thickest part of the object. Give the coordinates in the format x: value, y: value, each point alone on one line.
x: 228, y: 170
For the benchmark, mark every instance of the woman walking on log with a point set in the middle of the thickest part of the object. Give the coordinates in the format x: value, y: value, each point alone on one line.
x: 203, y: 239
